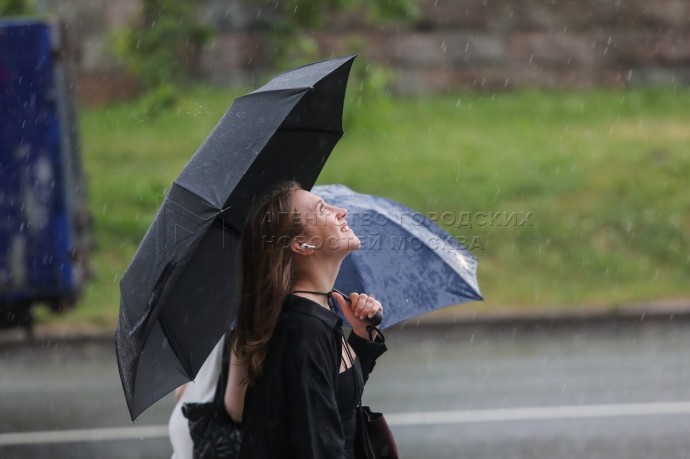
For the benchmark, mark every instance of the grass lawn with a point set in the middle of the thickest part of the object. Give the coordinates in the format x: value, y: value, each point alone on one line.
x: 598, y: 181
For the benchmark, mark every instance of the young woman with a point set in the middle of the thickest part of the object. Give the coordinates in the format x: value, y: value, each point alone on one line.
x: 289, y: 350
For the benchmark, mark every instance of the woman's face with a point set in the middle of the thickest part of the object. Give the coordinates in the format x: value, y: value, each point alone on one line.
x: 324, y: 225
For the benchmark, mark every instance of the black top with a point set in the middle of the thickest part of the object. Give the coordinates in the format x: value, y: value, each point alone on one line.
x: 293, y: 410
x: 348, y: 397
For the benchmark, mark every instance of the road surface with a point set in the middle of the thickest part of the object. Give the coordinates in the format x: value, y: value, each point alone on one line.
x: 604, y: 391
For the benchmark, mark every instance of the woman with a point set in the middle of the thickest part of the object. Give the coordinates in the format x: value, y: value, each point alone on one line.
x: 289, y: 351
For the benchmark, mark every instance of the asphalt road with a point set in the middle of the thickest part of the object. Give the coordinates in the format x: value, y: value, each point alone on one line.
x: 606, y: 391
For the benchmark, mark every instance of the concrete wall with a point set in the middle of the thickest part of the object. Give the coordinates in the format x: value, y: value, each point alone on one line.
x: 484, y: 44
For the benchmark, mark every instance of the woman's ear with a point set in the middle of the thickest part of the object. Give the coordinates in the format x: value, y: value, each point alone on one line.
x: 300, y: 245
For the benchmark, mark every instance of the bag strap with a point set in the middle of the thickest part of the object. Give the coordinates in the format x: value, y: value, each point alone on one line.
x: 219, y: 396
x: 361, y: 421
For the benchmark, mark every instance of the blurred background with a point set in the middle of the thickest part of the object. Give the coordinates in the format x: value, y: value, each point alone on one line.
x: 550, y: 136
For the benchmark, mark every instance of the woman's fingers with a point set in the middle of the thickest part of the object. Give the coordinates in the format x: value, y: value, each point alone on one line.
x: 364, y: 306
x: 346, y: 307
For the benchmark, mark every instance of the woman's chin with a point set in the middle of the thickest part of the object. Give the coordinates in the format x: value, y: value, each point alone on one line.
x: 350, y: 244
x: 353, y: 243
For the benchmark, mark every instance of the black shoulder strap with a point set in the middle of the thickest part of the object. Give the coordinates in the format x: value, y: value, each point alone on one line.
x: 219, y: 397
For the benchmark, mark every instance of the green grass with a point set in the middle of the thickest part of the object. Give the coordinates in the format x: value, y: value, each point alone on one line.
x: 603, y: 175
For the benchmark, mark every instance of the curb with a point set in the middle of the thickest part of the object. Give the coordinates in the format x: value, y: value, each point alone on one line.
x: 666, y: 311
x: 658, y: 312
x: 46, y: 336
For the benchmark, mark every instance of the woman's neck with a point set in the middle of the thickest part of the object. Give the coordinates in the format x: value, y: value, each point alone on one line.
x: 313, y: 287
x: 322, y: 300
x: 316, y: 281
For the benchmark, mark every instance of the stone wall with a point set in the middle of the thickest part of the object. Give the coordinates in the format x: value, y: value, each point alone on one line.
x: 483, y: 44
x: 89, y: 24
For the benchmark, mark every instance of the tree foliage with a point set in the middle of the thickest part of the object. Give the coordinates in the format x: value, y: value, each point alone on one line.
x: 291, y: 36
x: 16, y: 8
x: 163, y: 51
x: 291, y: 40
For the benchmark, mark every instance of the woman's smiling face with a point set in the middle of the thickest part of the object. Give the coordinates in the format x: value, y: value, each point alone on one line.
x: 324, y: 225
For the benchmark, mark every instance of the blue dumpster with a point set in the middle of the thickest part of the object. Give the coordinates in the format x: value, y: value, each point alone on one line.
x: 42, y: 198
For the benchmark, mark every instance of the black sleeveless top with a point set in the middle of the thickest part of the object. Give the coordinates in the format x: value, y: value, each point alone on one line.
x: 347, y: 399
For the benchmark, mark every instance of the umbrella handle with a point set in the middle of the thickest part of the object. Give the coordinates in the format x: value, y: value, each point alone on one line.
x: 375, y: 320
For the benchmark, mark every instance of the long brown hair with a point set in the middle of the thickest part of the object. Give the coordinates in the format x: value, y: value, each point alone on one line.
x: 268, y: 271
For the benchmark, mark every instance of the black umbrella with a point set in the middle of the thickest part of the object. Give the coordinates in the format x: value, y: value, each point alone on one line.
x: 405, y: 260
x: 179, y: 292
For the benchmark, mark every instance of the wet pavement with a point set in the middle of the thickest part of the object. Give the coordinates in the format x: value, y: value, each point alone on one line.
x: 603, y: 391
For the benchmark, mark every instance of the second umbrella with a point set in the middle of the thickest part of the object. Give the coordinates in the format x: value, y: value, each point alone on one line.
x: 406, y: 261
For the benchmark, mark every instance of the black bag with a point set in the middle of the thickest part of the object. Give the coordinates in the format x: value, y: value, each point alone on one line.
x: 214, y: 433
x: 373, y: 436
x: 374, y: 439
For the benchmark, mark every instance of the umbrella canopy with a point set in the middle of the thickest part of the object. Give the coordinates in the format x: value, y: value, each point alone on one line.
x: 406, y: 261
x: 180, y: 291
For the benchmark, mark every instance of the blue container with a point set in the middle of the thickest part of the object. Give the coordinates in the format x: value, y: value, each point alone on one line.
x: 37, y: 180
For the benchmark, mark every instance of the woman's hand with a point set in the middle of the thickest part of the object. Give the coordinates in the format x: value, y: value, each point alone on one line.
x: 361, y: 308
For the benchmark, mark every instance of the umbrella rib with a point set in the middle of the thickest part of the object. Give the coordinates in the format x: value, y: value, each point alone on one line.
x: 194, y: 193
x: 264, y: 91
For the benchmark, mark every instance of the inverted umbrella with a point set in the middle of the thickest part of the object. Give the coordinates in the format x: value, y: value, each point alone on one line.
x: 406, y: 261
x: 180, y: 290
